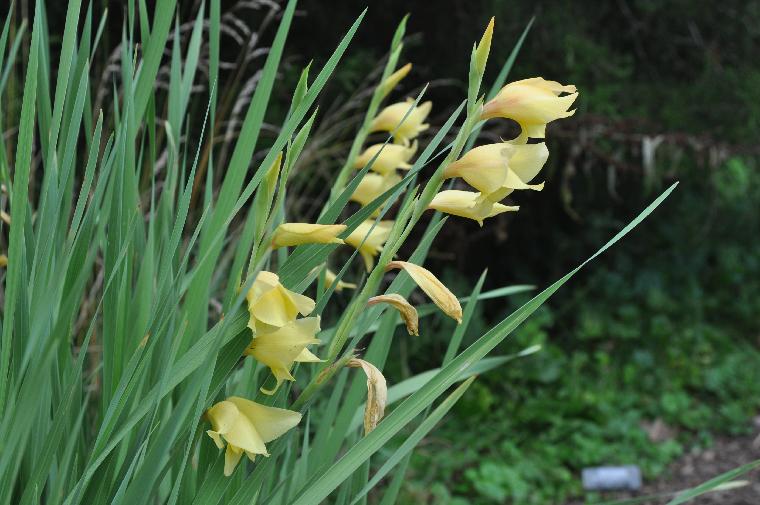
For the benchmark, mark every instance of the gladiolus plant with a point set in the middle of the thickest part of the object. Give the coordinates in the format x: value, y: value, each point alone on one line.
x: 164, y: 315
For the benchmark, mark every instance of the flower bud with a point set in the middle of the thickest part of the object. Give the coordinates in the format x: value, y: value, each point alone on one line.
x: 292, y: 234
x: 392, y: 80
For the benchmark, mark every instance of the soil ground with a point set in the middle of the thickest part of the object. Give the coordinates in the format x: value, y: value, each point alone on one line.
x: 696, y: 467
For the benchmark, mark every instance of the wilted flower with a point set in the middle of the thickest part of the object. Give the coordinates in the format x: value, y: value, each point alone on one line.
x: 330, y: 280
x: 392, y: 80
x: 375, y: 239
x: 291, y: 234
x: 429, y: 283
x: 272, y: 306
x: 373, y: 185
x: 497, y: 169
x: 532, y: 103
x: 391, y: 157
x: 246, y: 426
x: 279, y: 349
x: 389, y: 118
x: 467, y: 204
x: 377, y: 393
x: 407, y: 311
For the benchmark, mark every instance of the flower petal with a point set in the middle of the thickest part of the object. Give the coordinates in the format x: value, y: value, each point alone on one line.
x: 270, y: 422
x: 231, y: 459
x: 279, y: 349
x: 377, y: 393
x: 429, y: 283
x: 467, y: 204
x: 407, y: 311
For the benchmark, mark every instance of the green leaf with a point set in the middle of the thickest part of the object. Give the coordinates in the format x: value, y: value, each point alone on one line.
x: 321, y: 485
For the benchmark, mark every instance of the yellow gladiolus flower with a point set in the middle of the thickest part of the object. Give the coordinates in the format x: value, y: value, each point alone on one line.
x: 373, y: 185
x: 497, y: 169
x: 292, y: 234
x: 377, y: 393
x: 407, y: 311
x: 429, y: 283
x: 390, y: 158
x: 532, y: 103
x: 279, y: 349
x: 330, y: 280
x: 392, y: 80
x: 467, y: 204
x: 375, y: 239
x: 245, y: 427
x: 390, y: 119
x: 272, y: 306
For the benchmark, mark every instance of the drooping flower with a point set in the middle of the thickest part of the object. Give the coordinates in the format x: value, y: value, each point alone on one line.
x: 407, y: 311
x: 279, y: 349
x: 532, y: 103
x: 372, y: 186
x: 392, y: 80
x: 467, y: 204
x: 375, y: 239
x: 390, y: 118
x: 330, y: 280
x: 429, y: 283
x: 245, y: 427
x: 292, y: 234
x: 391, y: 157
x: 272, y: 306
x: 497, y: 169
x: 377, y: 393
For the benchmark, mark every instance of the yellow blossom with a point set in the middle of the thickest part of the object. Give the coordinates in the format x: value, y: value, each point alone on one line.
x: 279, y: 349
x: 245, y: 427
x: 292, y: 234
x: 373, y: 185
x: 467, y: 204
x: 407, y: 311
x: 532, y: 103
x: 375, y: 239
x: 330, y: 280
x: 389, y: 118
x: 392, y: 80
x: 390, y: 157
x: 272, y: 306
x: 497, y: 169
x: 429, y: 283
x: 377, y: 393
